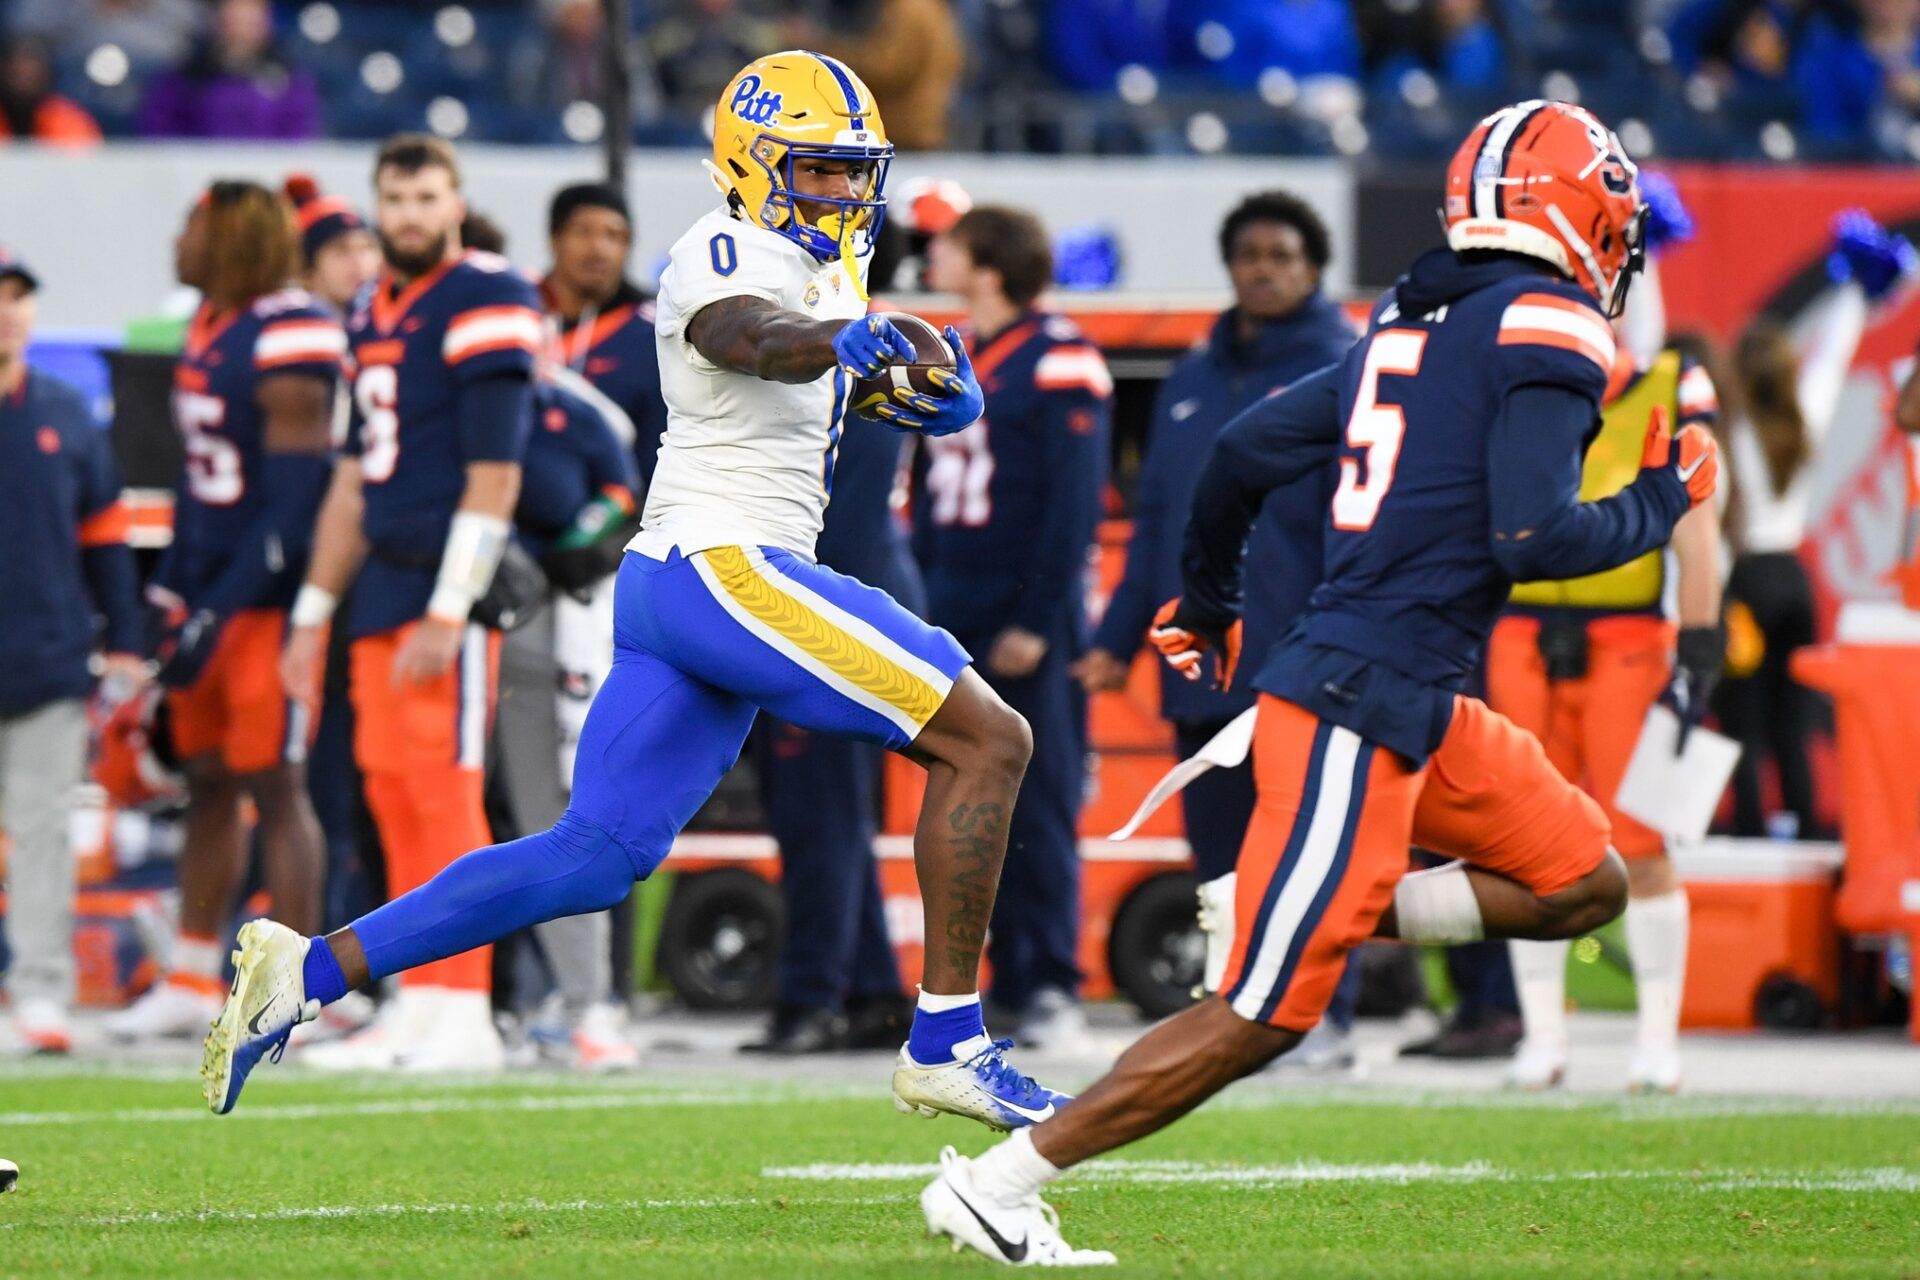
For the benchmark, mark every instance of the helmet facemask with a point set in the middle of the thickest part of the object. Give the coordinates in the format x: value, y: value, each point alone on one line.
x: 848, y: 229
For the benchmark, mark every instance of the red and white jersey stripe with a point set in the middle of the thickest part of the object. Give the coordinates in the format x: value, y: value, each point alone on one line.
x: 487, y: 329
x: 1543, y: 319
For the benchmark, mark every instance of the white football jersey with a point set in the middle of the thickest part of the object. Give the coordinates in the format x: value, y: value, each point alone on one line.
x: 744, y: 460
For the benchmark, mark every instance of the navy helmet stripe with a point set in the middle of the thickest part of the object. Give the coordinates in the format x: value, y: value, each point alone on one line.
x: 1302, y: 823
x: 1362, y: 767
x: 846, y: 86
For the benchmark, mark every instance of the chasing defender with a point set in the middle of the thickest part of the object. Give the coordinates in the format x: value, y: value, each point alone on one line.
x: 721, y: 611
x: 1459, y: 422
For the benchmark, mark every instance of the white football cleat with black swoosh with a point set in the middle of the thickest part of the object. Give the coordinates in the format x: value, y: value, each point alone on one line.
x: 267, y: 1000
x: 1023, y: 1234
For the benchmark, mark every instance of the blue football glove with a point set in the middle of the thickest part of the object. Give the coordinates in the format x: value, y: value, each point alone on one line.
x: 958, y: 407
x: 870, y: 344
x: 1869, y: 255
x: 1668, y: 222
x: 184, y: 650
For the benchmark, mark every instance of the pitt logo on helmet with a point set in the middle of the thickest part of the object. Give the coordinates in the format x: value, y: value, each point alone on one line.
x: 782, y: 112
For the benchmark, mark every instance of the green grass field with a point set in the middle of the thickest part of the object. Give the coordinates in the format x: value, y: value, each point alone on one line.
x: 536, y: 1176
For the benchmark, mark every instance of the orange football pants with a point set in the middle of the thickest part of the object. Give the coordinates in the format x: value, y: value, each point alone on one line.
x: 1589, y: 726
x: 421, y: 749
x: 1335, y: 818
x: 238, y: 708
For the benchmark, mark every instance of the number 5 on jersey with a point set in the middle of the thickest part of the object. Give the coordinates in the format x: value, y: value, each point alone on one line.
x: 1376, y: 428
x: 377, y: 391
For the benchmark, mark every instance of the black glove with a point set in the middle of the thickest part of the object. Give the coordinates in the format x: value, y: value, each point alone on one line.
x: 184, y: 649
x: 1697, y: 662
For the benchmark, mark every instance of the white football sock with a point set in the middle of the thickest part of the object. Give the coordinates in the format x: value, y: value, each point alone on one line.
x: 1657, y: 946
x: 1013, y: 1170
x: 1540, y: 980
x: 943, y: 1004
x: 198, y: 956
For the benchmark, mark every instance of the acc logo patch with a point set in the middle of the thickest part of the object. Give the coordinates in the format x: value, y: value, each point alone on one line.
x: 812, y: 296
x: 751, y: 105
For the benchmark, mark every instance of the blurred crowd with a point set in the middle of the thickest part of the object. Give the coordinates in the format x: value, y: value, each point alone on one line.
x: 1756, y: 79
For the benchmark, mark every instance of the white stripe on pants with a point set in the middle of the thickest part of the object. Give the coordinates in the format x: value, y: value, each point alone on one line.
x: 42, y: 759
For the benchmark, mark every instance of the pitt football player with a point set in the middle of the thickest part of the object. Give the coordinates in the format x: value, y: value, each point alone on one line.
x: 1458, y: 423
x: 721, y: 610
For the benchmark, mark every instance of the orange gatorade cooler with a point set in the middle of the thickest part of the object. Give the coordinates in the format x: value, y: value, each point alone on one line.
x: 1763, y: 949
x: 1872, y: 673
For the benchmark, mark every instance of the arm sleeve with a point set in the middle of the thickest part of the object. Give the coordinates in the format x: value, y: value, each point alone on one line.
x: 1130, y: 611
x: 105, y: 557
x: 1074, y: 453
x: 1541, y: 529
x: 1276, y: 441
x: 496, y: 415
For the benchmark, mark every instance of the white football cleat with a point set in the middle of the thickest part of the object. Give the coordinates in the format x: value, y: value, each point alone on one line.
x: 1538, y: 1065
x: 600, y: 1041
x: 1025, y: 1233
x: 42, y: 1027
x: 458, y: 1034
x: 979, y: 1084
x: 379, y: 1045
x: 268, y: 998
x: 168, y: 1009
x: 1655, y: 1069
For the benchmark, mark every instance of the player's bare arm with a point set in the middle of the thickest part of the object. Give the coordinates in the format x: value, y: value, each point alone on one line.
x: 339, y: 547
x: 757, y: 337
x: 299, y: 414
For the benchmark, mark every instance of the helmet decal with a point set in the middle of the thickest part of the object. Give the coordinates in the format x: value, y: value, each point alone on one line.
x: 753, y: 104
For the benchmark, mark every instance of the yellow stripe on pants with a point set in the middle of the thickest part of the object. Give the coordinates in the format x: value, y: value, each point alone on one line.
x: 847, y: 656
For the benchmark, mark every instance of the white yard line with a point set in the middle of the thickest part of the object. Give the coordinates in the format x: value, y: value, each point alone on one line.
x: 1313, y: 1171
x: 295, y: 1213
x: 634, y: 1100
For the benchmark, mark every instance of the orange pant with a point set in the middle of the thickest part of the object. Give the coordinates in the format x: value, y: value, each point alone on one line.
x: 238, y: 708
x: 421, y: 749
x: 1589, y: 726
x: 1331, y: 829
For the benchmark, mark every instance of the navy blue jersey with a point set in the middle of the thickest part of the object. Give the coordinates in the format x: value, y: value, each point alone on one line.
x: 614, y: 350
x: 1005, y: 510
x: 415, y: 351
x: 216, y: 408
x: 574, y: 455
x: 65, y: 533
x: 1458, y: 424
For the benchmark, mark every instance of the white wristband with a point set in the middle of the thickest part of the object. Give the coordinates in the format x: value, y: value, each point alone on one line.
x: 313, y: 606
x: 475, y: 543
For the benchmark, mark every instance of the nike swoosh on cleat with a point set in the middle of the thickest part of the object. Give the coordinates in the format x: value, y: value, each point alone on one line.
x: 253, y: 1027
x: 1014, y: 1253
x: 1034, y: 1117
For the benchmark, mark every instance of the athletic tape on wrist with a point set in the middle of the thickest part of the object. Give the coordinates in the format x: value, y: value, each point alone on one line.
x: 475, y: 543
x: 313, y: 606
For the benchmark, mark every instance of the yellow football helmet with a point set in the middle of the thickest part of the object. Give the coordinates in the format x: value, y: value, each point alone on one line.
x: 795, y: 106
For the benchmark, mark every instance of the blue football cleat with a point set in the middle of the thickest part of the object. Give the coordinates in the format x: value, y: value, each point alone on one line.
x: 267, y: 1001
x: 979, y: 1083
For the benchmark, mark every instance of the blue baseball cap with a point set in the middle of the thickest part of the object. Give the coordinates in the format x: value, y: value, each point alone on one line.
x: 11, y: 267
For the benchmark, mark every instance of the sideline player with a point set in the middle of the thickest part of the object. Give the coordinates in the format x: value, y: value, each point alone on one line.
x: 443, y: 349
x: 253, y: 398
x: 1458, y: 422
x: 721, y: 611
x: 1578, y: 663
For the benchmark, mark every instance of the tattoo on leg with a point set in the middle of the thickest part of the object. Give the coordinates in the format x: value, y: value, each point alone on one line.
x: 978, y: 832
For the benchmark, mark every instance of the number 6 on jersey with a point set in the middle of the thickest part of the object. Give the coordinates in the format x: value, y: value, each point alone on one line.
x: 1377, y: 428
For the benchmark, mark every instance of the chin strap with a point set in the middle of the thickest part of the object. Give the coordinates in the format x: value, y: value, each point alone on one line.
x: 843, y: 237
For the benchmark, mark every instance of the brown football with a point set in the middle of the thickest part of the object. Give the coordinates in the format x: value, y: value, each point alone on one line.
x: 931, y: 350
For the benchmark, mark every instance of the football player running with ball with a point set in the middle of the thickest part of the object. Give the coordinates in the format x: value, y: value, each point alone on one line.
x: 1458, y: 422
x: 721, y: 610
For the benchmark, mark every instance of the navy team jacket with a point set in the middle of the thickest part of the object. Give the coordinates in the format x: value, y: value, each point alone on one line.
x: 1209, y: 386
x: 65, y: 534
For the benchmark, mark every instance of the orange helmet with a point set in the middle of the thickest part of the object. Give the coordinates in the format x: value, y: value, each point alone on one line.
x: 1548, y: 180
